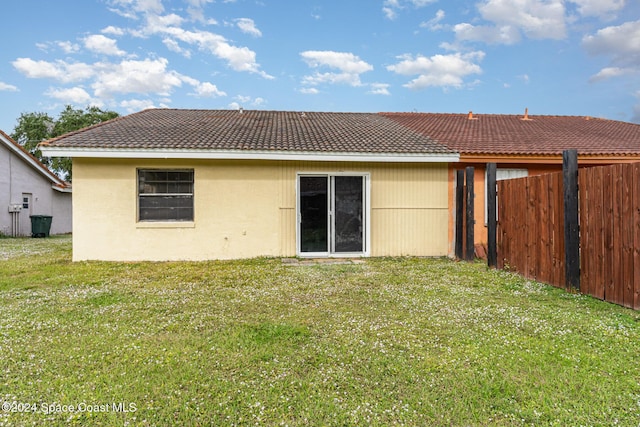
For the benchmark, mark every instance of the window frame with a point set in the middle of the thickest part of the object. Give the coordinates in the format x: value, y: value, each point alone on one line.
x: 141, y: 195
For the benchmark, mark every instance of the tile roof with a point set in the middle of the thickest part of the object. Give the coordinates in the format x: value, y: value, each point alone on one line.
x: 500, y: 134
x: 33, y: 161
x: 252, y: 130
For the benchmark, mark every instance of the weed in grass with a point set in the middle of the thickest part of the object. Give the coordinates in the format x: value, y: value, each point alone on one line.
x: 391, y: 341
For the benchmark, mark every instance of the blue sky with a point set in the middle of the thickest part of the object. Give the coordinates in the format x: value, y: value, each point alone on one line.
x: 566, y: 57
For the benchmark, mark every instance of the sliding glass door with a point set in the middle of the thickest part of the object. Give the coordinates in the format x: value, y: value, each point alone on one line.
x: 332, y: 214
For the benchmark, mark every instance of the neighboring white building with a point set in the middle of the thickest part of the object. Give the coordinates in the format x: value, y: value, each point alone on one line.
x: 28, y: 188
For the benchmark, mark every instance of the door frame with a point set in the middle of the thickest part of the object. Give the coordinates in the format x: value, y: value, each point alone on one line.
x: 366, y: 215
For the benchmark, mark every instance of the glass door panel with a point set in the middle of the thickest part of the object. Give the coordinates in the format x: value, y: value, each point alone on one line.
x: 348, y: 214
x: 314, y: 213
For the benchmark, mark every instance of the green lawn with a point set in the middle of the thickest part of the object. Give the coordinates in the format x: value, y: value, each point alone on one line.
x: 400, y: 341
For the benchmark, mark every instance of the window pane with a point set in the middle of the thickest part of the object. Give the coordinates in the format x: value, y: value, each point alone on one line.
x: 165, y: 195
x: 313, y: 211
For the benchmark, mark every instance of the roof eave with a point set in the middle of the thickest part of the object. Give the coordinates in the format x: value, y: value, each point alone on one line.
x: 547, y: 158
x: 30, y: 160
x: 122, y: 153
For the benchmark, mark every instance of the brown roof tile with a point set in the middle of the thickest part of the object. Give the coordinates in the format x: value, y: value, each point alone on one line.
x: 252, y: 130
x: 512, y: 134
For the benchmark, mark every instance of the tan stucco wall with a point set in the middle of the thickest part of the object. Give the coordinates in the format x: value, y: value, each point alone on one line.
x: 248, y: 208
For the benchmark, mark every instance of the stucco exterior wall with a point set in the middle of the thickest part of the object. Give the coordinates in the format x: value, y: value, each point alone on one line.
x: 17, y: 178
x: 248, y: 208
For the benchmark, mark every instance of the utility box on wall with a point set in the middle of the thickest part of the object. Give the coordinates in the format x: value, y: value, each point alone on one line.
x: 15, y: 207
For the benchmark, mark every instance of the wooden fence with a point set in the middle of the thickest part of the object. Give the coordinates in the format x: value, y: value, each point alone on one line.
x: 531, y: 231
x: 610, y: 233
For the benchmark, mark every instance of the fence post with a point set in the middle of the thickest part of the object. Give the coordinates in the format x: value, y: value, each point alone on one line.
x: 492, y: 225
x: 470, y: 219
x: 571, y: 221
x: 459, y: 213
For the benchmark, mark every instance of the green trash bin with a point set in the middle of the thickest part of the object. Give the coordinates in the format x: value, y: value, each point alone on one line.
x: 40, y: 225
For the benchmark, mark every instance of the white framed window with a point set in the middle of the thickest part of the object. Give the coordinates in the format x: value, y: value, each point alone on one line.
x: 165, y: 195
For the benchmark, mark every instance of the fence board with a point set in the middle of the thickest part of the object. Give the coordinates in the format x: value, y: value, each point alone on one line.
x: 615, y: 284
x: 636, y: 235
x: 557, y: 208
x: 531, y: 241
x: 597, y: 257
x: 530, y: 233
x: 627, y: 237
x: 607, y: 233
x: 585, y: 231
x: 544, y: 248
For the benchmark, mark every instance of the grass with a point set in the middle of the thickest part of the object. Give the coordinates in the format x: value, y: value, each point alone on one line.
x: 401, y: 341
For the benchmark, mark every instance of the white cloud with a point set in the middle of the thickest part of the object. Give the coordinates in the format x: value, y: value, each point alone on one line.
x: 131, y: 76
x: 344, y: 61
x: 506, y: 34
x: 309, y: 91
x: 438, y: 70
x: 7, y: 87
x: 61, y: 71
x: 162, y: 23
x: 612, y: 72
x: 208, y: 90
x: 508, y: 19
x: 244, y: 100
x: 238, y: 58
x: 114, y: 31
x: 248, y: 26
x: 390, y: 8
x: 379, y: 89
x: 133, y: 105
x: 174, y: 46
x: 68, y: 47
x: 389, y: 13
x: 349, y: 67
x: 599, y: 8
x: 434, y: 23
x: 74, y: 95
x: 170, y: 27
x: 621, y: 43
x: 196, y: 9
x: 101, y: 44
x: 130, y: 8
x: 332, y: 78
x: 618, y: 41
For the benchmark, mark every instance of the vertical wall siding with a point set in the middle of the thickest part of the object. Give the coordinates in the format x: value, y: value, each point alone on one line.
x: 409, y: 210
x: 409, y: 206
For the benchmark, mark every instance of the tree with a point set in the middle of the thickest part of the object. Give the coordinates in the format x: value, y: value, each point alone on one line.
x: 33, y: 128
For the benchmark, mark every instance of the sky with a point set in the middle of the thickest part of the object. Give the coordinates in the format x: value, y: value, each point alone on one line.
x: 554, y: 57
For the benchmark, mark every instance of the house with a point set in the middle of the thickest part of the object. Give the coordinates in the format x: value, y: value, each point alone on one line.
x: 169, y: 184
x: 520, y: 145
x: 28, y: 188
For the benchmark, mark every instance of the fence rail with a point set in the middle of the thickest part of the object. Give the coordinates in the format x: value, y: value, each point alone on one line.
x: 531, y: 230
